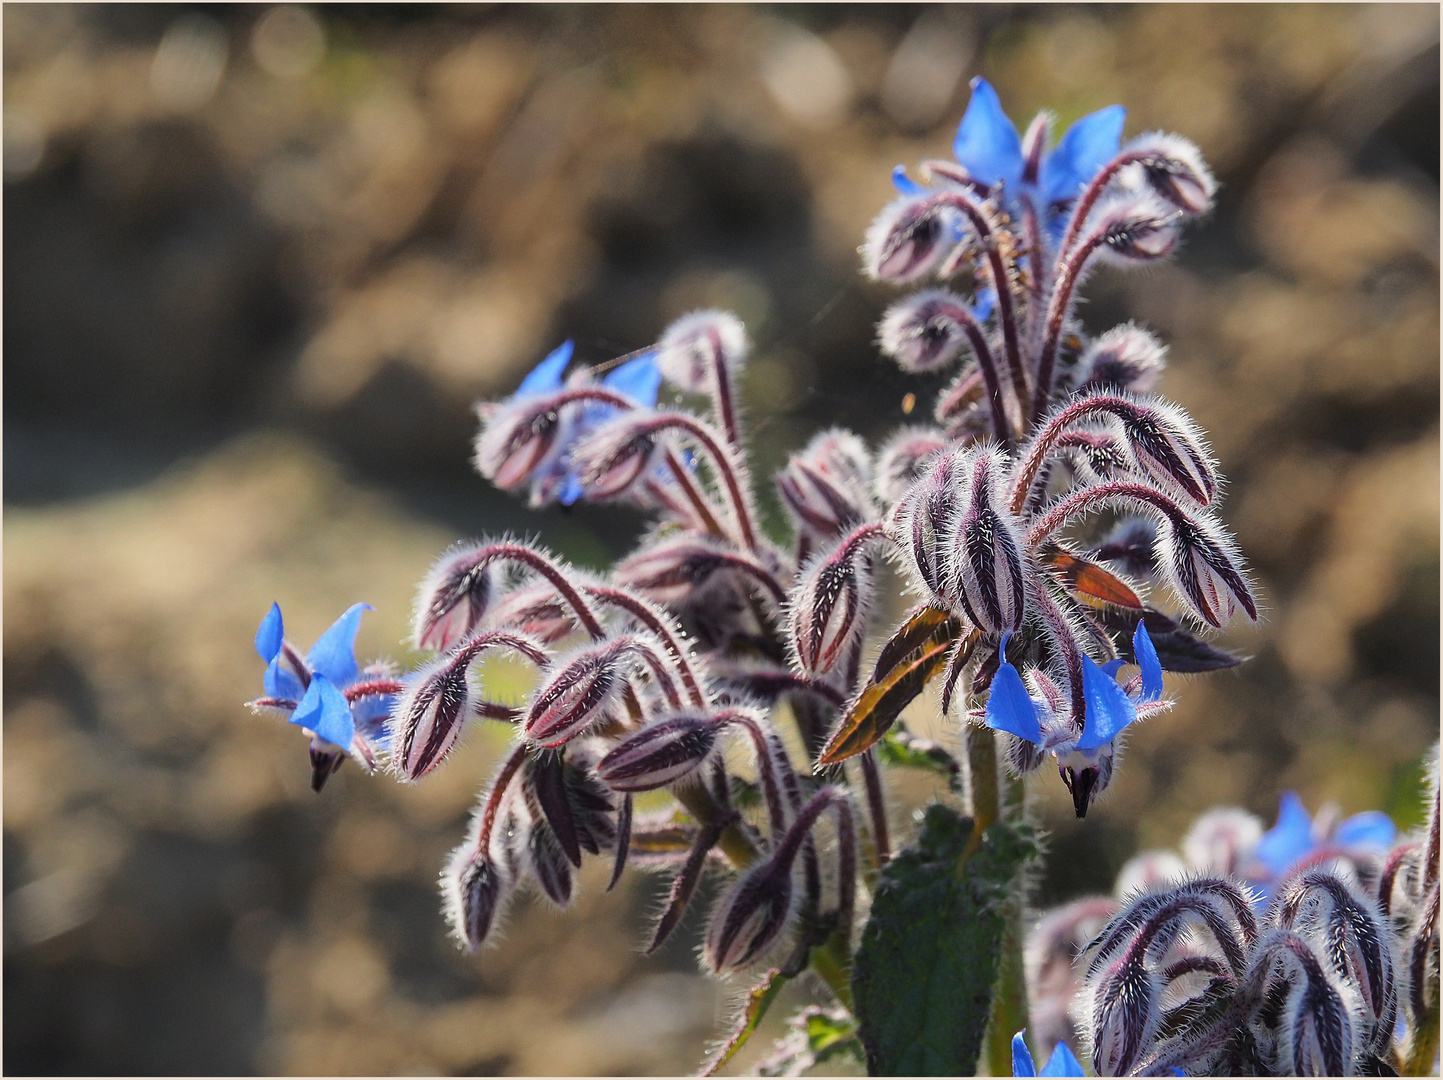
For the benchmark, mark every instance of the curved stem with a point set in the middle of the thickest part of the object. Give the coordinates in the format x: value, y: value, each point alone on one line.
x: 722, y: 389
x: 1088, y: 199
x: 1043, y: 443
x: 1095, y: 498
x: 693, y: 494
x: 1031, y: 228
x: 721, y: 461
x: 877, y: 808
x: 493, y: 799
x: 1001, y: 426
x: 551, y: 572
x: 649, y: 617
x: 766, y: 765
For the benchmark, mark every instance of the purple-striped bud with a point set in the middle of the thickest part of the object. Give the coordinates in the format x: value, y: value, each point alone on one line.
x: 536, y: 611
x: 909, y: 239
x: 1095, y: 455
x: 924, y: 332
x: 671, y: 572
x: 548, y: 864
x: 986, y: 557
x: 660, y: 754
x: 1126, y: 1012
x: 1125, y: 358
x: 519, y: 437
x: 692, y: 348
x: 1202, y: 565
x: 1319, y: 1023
x: 926, y: 525
x: 473, y: 890
x: 454, y: 596
x: 827, y: 487
x: 1176, y: 171
x: 616, y: 455
x: 750, y: 917
x: 904, y: 459
x: 1167, y: 447
x: 578, y: 693
x: 829, y: 606
x: 1136, y: 229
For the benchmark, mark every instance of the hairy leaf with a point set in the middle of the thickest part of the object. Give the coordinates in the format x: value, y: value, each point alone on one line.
x: 879, y: 705
x: 925, y: 625
x: 1089, y: 582
x: 1177, y: 648
x: 924, y: 974
x: 759, y: 1000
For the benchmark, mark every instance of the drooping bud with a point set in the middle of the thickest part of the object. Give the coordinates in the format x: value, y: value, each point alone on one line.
x: 1126, y: 1012
x: 830, y: 603
x: 904, y: 459
x: 1319, y: 1029
x: 827, y: 487
x: 1167, y: 447
x: 473, y: 889
x: 986, y: 557
x: 578, y: 693
x: 1130, y: 546
x: 750, y: 917
x: 660, y: 754
x: 926, y: 525
x: 536, y: 611
x: 692, y: 347
x: 1125, y: 358
x: 548, y: 864
x: 925, y: 331
x: 519, y: 437
x: 1136, y: 229
x: 673, y: 572
x: 1202, y: 565
x: 617, y: 455
x: 454, y: 596
x: 1175, y: 170
x: 909, y: 239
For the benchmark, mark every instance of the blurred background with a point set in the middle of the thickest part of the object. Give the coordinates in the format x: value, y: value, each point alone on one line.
x: 260, y: 261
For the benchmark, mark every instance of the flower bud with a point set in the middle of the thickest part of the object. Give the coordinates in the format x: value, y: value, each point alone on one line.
x: 926, y: 525
x: 473, y: 889
x: 660, y: 754
x: 1319, y: 1022
x: 519, y: 437
x: 827, y: 487
x: 548, y: 865
x: 453, y: 598
x: 672, y: 571
x: 1126, y: 1011
x: 904, y: 459
x: 986, y: 557
x: 909, y: 239
x: 924, y: 332
x: 1137, y: 229
x: 1166, y: 446
x: 616, y: 455
x: 750, y: 917
x: 691, y: 349
x: 1201, y: 564
x: 578, y: 693
x: 1175, y: 171
x: 427, y: 718
x: 1222, y: 840
x: 536, y: 611
x: 1125, y: 358
x: 829, y: 606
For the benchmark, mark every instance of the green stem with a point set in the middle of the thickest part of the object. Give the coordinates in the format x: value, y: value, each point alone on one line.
x: 1422, y: 1048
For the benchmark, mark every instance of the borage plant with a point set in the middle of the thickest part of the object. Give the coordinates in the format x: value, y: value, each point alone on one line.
x: 710, y: 633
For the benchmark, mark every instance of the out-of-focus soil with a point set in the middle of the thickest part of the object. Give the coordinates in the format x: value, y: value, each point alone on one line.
x: 259, y: 263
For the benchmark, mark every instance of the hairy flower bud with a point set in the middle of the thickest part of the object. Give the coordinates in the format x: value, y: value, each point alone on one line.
x: 750, y: 917
x: 1136, y: 229
x: 829, y: 605
x: 1222, y: 840
x: 672, y: 572
x: 1175, y: 170
x: 578, y: 693
x: 548, y: 864
x: 904, y: 459
x: 827, y: 487
x: 536, y: 611
x: 691, y: 349
x: 1201, y: 564
x: 660, y: 754
x: 473, y: 889
x: 1126, y: 1011
x: 1319, y: 1022
x: 453, y: 597
x: 986, y: 557
x: 518, y: 437
x: 1167, y: 447
x: 617, y: 455
x: 926, y: 525
x: 909, y: 239
x: 1124, y: 358
x: 924, y: 332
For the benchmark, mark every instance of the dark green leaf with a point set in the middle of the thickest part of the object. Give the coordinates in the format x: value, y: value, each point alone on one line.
x: 928, y: 960
x: 900, y: 748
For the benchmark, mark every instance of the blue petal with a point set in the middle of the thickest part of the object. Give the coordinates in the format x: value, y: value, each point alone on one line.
x: 1022, y: 1063
x: 282, y: 682
x: 638, y: 379
x: 545, y: 377
x: 983, y: 303
x: 1087, y: 146
x: 325, y: 711
x: 1146, y: 654
x: 334, y: 653
x: 987, y: 144
x: 904, y: 183
x: 571, y: 490
x: 1177, y: 1072
x: 270, y: 635
x: 1109, y: 710
x: 1371, y: 828
x: 1111, y: 668
x: 1009, y: 706
x: 1290, y: 839
x: 1063, y: 1062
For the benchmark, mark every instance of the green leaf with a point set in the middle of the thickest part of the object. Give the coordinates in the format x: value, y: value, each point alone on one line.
x: 924, y: 974
x: 830, y: 1034
x: 903, y: 750
x: 759, y: 1000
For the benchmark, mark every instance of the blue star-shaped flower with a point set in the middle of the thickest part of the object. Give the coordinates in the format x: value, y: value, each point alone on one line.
x: 1063, y: 1061
x: 1293, y: 838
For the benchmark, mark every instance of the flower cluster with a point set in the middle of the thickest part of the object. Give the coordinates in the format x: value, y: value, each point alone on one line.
x: 710, y: 630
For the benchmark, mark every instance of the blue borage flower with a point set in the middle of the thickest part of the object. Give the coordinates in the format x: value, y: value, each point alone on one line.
x: 638, y: 379
x: 1063, y: 1061
x: 1085, y: 759
x: 988, y: 147
x: 325, y: 693
x: 1297, y: 837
